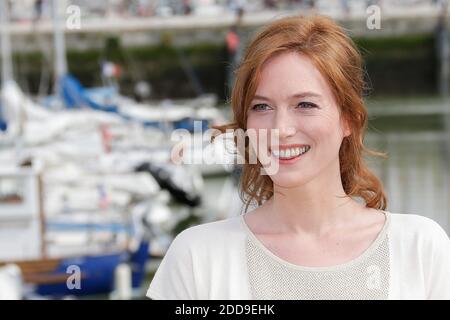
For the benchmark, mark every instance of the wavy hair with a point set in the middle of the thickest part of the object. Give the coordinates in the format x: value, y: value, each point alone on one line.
x: 336, y: 57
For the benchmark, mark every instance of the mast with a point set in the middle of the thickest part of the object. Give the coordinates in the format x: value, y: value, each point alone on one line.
x: 444, y: 81
x: 5, y: 41
x: 7, y: 74
x: 59, y: 41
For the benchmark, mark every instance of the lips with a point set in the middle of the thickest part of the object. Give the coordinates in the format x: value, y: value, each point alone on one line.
x: 286, y: 152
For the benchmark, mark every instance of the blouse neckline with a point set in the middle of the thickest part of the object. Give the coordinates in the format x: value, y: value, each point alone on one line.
x: 366, y: 253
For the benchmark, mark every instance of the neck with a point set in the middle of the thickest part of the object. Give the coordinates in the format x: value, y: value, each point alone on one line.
x: 314, y: 207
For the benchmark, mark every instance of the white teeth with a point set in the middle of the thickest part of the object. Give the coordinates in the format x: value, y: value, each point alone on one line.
x: 289, y: 153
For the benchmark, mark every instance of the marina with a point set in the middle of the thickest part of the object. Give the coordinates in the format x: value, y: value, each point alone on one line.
x: 90, y: 195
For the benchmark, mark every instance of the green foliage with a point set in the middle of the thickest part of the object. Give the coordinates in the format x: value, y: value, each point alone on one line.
x: 404, y: 65
x: 395, y: 65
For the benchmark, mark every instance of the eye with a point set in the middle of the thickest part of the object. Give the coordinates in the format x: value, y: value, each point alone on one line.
x: 307, y: 105
x: 260, y: 107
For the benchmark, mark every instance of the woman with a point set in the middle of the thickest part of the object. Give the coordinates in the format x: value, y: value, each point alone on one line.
x: 320, y: 230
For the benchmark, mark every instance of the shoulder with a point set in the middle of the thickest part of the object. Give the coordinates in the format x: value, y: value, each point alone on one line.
x: 424, y: 246
x: 208, y: 229
x: 207, y: 234
x: 193, y: 259
x: 414, y: 223
x: 418, y: 227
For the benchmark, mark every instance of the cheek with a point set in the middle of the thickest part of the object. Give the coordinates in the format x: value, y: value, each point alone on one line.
x: 328, y: 124
x: 316, y: 128
x: 325, y: 133
x: 258, y: 129
x: 258, y: 122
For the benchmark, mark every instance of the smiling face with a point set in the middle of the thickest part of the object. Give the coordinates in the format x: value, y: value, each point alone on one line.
x: 293, y: 97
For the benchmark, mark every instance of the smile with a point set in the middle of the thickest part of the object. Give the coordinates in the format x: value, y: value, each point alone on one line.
x: 290, y: 153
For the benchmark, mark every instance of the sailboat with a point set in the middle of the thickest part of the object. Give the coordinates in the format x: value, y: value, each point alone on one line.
x: 166, y: 115
x: 87, y: 186
x: 45, y: 266
x: 43, y: 249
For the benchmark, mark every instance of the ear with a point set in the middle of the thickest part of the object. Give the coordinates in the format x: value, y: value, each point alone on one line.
x: 346, y: 127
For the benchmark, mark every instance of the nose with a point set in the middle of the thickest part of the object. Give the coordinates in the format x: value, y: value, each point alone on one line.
x: 284, y: 123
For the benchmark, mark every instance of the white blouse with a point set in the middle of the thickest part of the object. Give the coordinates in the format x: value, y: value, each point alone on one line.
x: 409, y: 259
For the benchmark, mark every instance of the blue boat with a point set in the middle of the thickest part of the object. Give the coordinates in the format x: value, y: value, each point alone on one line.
x: 97, y: 273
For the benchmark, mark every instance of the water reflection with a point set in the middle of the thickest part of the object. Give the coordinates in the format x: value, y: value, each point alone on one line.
x: 416, y: 172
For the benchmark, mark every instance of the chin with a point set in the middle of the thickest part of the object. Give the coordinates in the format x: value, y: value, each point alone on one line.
x: 289, y: 180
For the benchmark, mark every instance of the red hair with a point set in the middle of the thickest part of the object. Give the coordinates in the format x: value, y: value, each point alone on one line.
x: 336, y: 57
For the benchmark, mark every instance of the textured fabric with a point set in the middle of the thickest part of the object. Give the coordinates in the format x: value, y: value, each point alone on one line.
x: 366, y: 278
x: 410, y: 259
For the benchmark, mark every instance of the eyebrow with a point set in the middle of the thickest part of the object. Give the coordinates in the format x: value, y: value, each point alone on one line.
x: 297, y: 95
